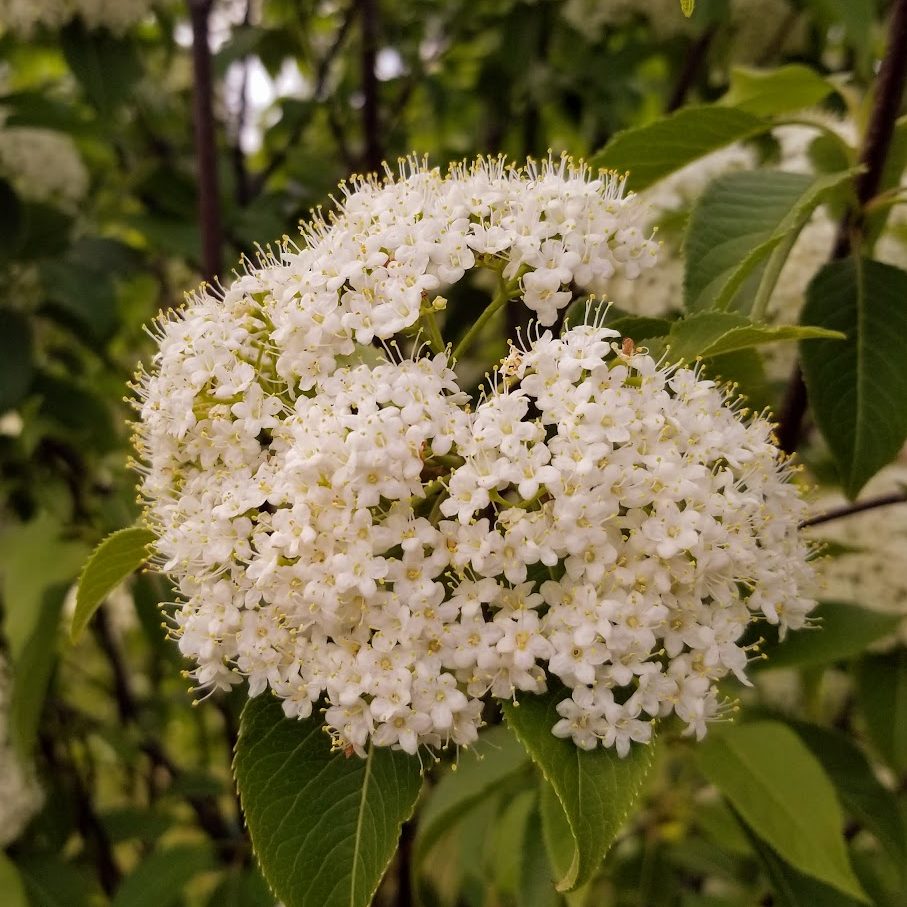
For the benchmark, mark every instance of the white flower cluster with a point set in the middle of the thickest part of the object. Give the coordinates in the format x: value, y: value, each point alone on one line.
x: 43, y: 166
x: 344, y: 527
x: 869, y: 564
x: 20, y: 795
x: 24, y: 17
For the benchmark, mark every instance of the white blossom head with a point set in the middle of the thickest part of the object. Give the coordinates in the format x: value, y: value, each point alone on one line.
x: 349, y: 529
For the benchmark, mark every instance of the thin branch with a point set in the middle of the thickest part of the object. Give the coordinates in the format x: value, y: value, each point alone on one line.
x: 697, y: 53
x: 371, y: 126
x: 240, y: 170
x: 322, y: 72
x: 205, y: 140
x: 885, y: 500
x: 876, y: 144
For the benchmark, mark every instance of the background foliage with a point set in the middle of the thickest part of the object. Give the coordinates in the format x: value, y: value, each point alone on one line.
x: 750, y: 127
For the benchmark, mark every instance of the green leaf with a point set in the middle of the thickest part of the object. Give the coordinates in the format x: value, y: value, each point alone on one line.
x: 84, y: 295
x: 495, y: 760
x: 242, y: 888
x: 106, y: 66
x: 858, y: 18
x: 739, y: 223
x: 323, y: 826
x: 792, y: 888
x: 33, y: 558
x: 52, y: 882
x: 537, y: 881
x: 33, y: 668
x: 784, y: 795
x: 17, y: 366
x: 115, y: 558
x: 882, y: 694
x: 768, y: 92
x: 657, y: 149
x: 858, y: 386
x: 708, y: 334
x: 844, y: 632
x: 159, y: 880
x: 861, y: 793
x: 596, y: 789
x: 11, y: 883
x: 508, y: 835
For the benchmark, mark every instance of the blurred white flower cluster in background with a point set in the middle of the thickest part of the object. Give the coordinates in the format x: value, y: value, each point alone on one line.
x: 26, y: 16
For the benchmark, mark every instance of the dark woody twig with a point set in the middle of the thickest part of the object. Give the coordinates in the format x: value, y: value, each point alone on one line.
x: 885, y: 500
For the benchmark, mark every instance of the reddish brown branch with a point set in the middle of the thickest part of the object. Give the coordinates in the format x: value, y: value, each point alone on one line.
x: 885, y: 500
x: 876, y: 144
x: 371, y: 126
x: 205, y: 140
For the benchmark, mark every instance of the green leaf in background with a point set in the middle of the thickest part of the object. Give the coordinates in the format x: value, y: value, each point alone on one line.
x: 17, y: 366
x: 242, y: 887
x: 159, y: 879
x: 537, y: 881
x: 33, y: 558
x: 52, y: 882
x: 106, y: 66
x: 768, y: 92
x: 708, y: 334
x: 862, y: 794
x: 858, y: 386
x: 792, y: 888
x: 657, y: 149
x: 882, y: 696
x: 11, y: 883
x: 784, y: 795
x: 33, y: 668
x: 323, y: 826
x: 844, y: 632
x: 82, y: 293
x: 497, y: 759
x: 115, y: 558
x: 507, y: 841
x: 742, y: 221
x: 857, y: 18
x: 596, y: 789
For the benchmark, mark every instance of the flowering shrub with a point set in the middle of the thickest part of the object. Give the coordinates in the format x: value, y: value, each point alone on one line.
x: 343, y: 523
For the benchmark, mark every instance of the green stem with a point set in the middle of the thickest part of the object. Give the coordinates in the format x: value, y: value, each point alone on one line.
x: 770, y: 276
x: 505, y: 293
x: 432, y: 332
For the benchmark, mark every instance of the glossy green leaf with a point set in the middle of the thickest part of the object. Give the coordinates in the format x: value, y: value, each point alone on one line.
x: 115, y: 558
x: 708, y: 334
x: 860, y: 791
x: 323, y: 826
x: 784, y: 795
x: 858, y: 386
x: 657, y: 149
x: 496, y: 760
x: 844, y: 631
x: 159, y: 880
x: 742, y: 221
x: 882, y: 695
x: 508, y: 835
x: 11, y: 883
x: 17, y: 366
x: 596, y: 789
x: 768, y: 92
